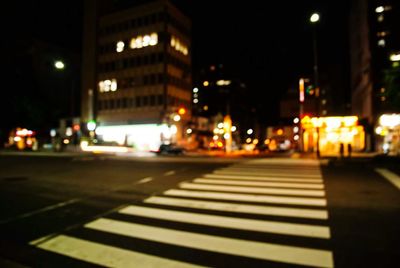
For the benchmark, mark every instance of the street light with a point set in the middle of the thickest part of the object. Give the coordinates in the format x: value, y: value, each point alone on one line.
x: 59, y: 65
x: 314, y: 19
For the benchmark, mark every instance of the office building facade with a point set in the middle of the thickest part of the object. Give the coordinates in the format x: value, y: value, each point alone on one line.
x: 137, y: 74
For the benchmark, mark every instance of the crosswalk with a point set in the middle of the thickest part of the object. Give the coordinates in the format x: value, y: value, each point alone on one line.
x: 269, y: 212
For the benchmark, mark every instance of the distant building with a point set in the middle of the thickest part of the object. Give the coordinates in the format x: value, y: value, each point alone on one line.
x: 137, y: 73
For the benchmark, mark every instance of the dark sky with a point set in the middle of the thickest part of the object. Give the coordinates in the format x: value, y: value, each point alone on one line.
x: 267, y: 44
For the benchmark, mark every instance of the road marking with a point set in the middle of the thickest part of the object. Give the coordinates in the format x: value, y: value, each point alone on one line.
x: 254, y: 190
x: 248, y: 197
x: 104, y: 255
x: 283, y: 161
x: 278, y: 174
x: 315, y: 172
x: 144, y: 180
x: 239, y: 208
x: 390, y: 176
x: 169, y: 173
x: 251, y: 249
x: 315, y: 231
x: 257, y: 183
x: 263, y: 178
x: 42, y: 210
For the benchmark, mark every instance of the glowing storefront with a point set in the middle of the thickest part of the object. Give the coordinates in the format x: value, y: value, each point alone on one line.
x: 388, y: 131
x: 332, y: 132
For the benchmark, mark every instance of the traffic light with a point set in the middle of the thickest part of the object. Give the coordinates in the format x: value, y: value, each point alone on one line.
x: 310, y: 90
x: 182, y: 111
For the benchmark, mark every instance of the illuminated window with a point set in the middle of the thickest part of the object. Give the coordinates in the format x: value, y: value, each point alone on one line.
x: 144, y: 41
x: 120, y: 46
x: 178, y: 45
x: 382, y: 34
x: 108, y: 85
x: 383, y: 98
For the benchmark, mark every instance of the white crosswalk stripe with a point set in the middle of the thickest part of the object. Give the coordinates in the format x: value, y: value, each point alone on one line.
x: 271, y: 173
x: 255, y: 190
x: 239, y: 208
x: 261, y: 178
x: 296, y: 193
x: 257, y: 183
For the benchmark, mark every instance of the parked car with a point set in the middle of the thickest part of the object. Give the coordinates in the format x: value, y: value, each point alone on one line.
x: 170, y: 149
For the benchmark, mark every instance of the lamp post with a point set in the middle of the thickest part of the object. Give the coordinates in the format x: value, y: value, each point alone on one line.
x: 314, y: 19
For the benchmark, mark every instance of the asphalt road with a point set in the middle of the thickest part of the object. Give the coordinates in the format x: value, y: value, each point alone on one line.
x: 84, y: 211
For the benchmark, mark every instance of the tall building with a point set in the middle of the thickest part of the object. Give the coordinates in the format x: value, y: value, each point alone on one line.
x: 374, y: 37
x: 137, y: 73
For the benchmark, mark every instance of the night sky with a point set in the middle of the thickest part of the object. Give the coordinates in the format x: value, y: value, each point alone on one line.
x: 268, y: 45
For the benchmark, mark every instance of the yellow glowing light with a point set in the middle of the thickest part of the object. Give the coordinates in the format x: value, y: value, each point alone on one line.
x: 189, y: 131
x: 296, y: 137
x: 182, y: 111
x: 223, y: 82
x: 279, y: 132
x: 205, y: 108
x: 379, y: 9
x: 216, y: 130
x: 255, y: 141
x: 195, y: 100
x: 215, y: 137
x: 333, y: 122
x: 389, y: 120
x: 59, y: 65
x: 120, y: 46
x: 395, y: 57
x: 206, y: 83
x: 248, y: 140
x: 350, y: 121
x: 220, y: 125
x: 153, y: 39
x: 66, y: 141
x: 314, y: 17
x: 17, y: 139
x: 267, y: 141
x: 133, y: 43
x: 177, y: 118
x: 220, y: 144
x: 296, y: 120
x: 146, y: 40
x: 113, y: 86
x: 195, y: 90
x: 378, y: 130
x: 249, y: 131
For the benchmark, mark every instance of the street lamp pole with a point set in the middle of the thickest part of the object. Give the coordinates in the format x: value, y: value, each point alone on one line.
x: 314, y: 19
